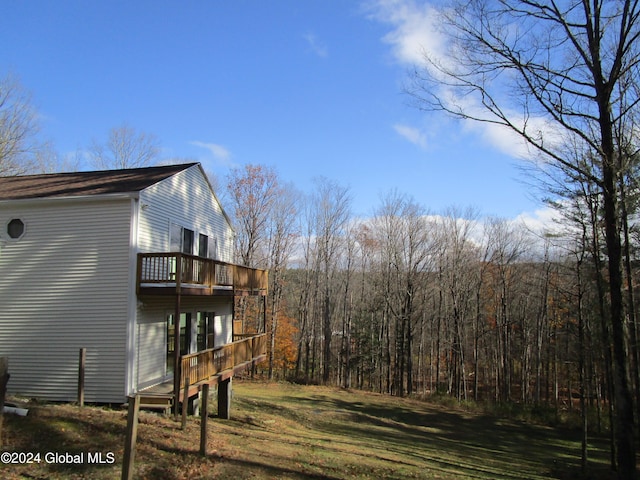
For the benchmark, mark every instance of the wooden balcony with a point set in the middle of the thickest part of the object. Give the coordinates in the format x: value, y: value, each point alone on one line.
x: 208, y: 366
x: 179, y: 273
x: 222, y: 362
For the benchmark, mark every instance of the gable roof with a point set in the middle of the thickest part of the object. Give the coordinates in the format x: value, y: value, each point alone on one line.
x: 58, y: 185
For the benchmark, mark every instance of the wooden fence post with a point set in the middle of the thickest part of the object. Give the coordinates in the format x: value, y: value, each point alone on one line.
x: 4, y: 379
x: 81, y: 364
x: 204, y: 415
x: 132, y: 434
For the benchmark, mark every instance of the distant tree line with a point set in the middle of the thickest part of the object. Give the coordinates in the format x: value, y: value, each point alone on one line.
x: 407, y: 302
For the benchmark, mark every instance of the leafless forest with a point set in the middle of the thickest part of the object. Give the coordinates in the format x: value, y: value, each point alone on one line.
x: 411, y: 302
x: 406, y: 302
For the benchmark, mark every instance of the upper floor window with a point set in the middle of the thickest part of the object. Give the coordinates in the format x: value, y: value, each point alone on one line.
x: 203, y: 245
x: 15, y: 228
x: 181, y: 239
x: 185, y: 240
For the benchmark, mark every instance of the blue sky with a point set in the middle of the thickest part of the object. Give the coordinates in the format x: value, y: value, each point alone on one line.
x: 312, y: 88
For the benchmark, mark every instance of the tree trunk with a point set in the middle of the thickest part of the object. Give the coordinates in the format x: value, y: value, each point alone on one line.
x: 635, y: 350
x: 624, y: 405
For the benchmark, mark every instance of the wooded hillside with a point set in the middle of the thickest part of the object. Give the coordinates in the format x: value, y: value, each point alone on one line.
x: 408, y: 302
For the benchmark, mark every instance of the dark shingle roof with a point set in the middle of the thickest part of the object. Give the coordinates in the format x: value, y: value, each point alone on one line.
x: 57, y: 185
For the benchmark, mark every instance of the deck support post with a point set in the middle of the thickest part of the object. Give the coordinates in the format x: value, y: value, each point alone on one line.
x: 176, y: 355
x: 264, y: 314
x: 185, y: 401
x: 224, y: 399
x: 204, y: 415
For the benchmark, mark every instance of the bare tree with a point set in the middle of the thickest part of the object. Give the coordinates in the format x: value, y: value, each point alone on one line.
x: 282, y: 234
x: 331, y: 205
x: 505, y: 247
x: 18, y: 128
x: 253, y: 190
x: 406, y: 252
x: 551, y: 71
x: 125, y: 147
x: 458, y: 257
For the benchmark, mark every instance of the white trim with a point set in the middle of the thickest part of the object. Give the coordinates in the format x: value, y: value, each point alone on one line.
x: 131, y: 373
x: 84, y: 198
x: 167, y: 376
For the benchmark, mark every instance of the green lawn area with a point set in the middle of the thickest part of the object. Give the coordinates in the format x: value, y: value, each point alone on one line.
x: 286, y: 431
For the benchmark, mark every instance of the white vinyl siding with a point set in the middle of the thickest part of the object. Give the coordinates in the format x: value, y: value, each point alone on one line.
x: 69, y: 282
x: 65, y: 285
x: 152, y: 331
x: 152, y: 340
x: 185, y: 200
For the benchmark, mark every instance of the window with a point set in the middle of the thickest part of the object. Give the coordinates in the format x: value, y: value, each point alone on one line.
x: 15, y: 228
x: 205, y: 330
x: 181, y: 239
x: 170, y: 344
x: 203, y: 246
x: 187, y: 241
x: 211, y: 332
x: 185, y: 338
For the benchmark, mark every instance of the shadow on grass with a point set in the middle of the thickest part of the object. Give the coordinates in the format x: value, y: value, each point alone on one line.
x: 228, y: 468
x: 300, y: 433
x: 475, y: 445
x: 61, y: 442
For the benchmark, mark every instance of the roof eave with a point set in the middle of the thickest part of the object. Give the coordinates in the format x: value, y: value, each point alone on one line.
x: 73, y: 198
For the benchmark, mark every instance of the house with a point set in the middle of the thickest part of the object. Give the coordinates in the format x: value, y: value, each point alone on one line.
x: 135, y: 266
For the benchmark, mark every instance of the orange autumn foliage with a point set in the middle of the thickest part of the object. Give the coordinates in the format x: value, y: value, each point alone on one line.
x: 285, y: 351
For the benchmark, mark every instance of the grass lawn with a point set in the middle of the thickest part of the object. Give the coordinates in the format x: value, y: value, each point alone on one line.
x: 285, y: 431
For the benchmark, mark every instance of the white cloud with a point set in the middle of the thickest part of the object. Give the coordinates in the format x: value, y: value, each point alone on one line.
x: 542, y: 221
x: 221, y: 155
x: 411, y: 134
x: 317, y: 46
x: 415, y: 34
x: 499, y: 137
x: 415, y: 29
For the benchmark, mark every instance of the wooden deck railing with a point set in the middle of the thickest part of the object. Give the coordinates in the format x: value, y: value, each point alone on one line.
x: 180, y: 269
x: 201, y: 366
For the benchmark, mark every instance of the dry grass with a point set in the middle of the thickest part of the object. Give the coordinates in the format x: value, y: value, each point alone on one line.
x: 283, y: 431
